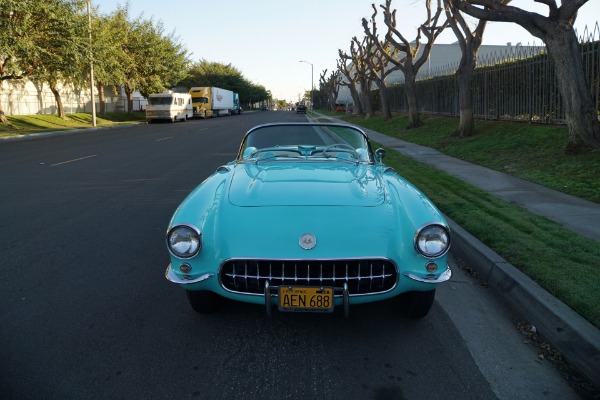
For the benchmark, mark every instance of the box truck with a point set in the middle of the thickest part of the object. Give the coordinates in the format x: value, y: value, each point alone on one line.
x: 210, y: 102
x: 170, y: 106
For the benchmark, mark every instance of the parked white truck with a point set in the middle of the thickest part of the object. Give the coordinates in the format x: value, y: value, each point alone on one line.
x: 210, y: 102
x: 170, y: 106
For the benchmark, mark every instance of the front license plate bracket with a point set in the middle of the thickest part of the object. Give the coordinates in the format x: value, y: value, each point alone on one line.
x: 271, y: 290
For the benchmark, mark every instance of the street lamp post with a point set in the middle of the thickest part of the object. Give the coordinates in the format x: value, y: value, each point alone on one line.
x: 311, y: 83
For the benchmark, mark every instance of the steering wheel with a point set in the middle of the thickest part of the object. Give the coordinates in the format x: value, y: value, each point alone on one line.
x: 342, y: 145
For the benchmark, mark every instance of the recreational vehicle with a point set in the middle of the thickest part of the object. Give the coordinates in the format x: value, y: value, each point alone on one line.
x: 170, y: 106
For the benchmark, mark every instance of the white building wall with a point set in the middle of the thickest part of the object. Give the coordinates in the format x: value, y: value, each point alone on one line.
x: 26, y: 97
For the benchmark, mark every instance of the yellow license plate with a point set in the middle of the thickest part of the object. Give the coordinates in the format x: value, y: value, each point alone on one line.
x: 305, y: 299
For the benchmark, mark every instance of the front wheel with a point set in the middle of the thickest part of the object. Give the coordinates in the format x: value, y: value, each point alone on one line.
x: 416, y: 304
x: 203, y: 301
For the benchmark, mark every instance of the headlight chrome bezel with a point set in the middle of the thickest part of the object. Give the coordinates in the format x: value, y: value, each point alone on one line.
x: 435, y: 232
x: 195, y: 238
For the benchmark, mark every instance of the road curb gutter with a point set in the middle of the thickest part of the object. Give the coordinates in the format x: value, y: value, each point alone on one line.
x: 573, y: 336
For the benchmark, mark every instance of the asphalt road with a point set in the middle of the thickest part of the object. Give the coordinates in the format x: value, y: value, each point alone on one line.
x: 86, y: 313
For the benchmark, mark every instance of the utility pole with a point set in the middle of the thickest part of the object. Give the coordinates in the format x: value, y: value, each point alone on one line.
x: 91, y: 67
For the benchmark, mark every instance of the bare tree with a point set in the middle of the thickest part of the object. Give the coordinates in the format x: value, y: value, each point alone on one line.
x: 469, y: 42
x: 346, y: 70
x: 380, y: 68
x: 361, y: 74
x: 415, y: 54
x: 330, y: 87
x: 557, y: 32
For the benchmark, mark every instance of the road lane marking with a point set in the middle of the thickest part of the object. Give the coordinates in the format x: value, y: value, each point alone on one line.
x: 76, y: 159
x: 165, y: 138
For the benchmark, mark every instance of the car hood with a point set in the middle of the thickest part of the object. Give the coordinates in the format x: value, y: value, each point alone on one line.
x: 305, y: 184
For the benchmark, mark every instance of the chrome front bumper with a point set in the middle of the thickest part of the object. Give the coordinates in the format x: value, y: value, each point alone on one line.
x: 444, y: 276
x: 172, y: 277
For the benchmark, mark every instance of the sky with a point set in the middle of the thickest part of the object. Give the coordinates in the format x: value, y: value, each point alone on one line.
x: 266, y: 39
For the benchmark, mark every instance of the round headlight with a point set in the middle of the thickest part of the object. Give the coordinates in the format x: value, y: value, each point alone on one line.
x: 184, y: 241
x: 432, y: 241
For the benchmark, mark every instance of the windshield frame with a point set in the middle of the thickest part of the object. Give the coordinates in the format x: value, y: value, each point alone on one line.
x: 370, y: 153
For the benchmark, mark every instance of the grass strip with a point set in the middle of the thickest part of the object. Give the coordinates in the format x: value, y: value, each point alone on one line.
x: 28, y: 124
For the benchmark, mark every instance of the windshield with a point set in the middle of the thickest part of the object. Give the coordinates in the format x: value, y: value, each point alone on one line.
x: 160, y: 101
x: 306, y: 141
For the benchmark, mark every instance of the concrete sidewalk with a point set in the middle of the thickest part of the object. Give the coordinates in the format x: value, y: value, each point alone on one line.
x: 573, y: 336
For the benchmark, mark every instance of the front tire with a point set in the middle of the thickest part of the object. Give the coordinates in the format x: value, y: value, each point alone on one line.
x: 203, y: 301
x: 416, y: 305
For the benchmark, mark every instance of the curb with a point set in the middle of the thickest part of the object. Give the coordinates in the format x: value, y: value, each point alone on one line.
x: 573, y: 336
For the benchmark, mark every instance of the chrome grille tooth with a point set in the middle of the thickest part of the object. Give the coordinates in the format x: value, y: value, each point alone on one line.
x: 246, y: 274
x: 282, y: 272
x: 321, y: 273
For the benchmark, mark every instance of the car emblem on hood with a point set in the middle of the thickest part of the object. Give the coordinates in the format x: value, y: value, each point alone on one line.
x: 308, y: 241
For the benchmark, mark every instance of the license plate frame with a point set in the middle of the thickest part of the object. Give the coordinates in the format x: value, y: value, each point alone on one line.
x: 305, y: 299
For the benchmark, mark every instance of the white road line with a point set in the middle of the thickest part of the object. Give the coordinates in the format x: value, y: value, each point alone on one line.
x: 70, y: 161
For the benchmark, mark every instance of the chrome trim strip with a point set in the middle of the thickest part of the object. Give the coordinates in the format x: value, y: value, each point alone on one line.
x: 172, y: 277
x: 444, y: 276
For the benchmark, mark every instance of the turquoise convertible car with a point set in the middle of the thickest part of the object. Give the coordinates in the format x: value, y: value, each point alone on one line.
x: 308, y: 218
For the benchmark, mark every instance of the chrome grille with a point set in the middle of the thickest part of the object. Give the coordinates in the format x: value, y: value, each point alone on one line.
x: 363, y: 276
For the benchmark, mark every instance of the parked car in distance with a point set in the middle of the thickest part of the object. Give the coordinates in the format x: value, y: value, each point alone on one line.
x: 308, y: 218
x: 301, y: 109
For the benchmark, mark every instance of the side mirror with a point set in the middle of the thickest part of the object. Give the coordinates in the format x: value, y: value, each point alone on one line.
x: 380, y: 154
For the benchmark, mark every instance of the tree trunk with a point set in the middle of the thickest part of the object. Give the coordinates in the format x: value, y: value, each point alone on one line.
x: 580, y: 112
x: 129, y: 94
x: 101, y: 99
x: 365, y: 95
x: 3, y: 118
x: 385, y: 105
x: 357, y: 108
x: 464, y: 76
x: 414, y: 120
x: 59, y: 103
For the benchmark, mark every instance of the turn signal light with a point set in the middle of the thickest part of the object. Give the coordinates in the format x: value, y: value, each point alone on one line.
x: 431, y: 267
x: 185, y: 268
